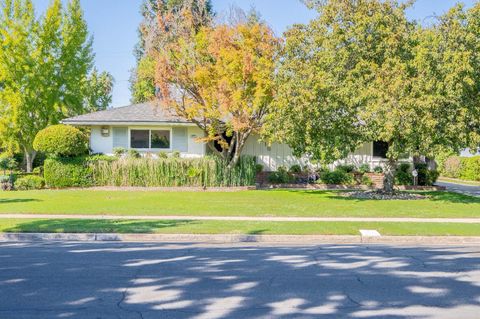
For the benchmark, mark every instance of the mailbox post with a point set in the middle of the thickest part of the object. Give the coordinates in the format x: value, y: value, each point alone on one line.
x: 415, y: 177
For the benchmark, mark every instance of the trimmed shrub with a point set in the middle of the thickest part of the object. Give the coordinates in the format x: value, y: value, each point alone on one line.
x: 367, y: 181
x: 346, y: 168
x: 452, y: 167
x: 364, y: 168
x: 61, y: 140
x: 403, y: 174
x: 281, y: 176
x: 295, y: 169
x: 100, y: 157
x: 426, y: 176
x: 337, y: 177
x: 68, y: 172
x: 29, y: 182
x: 378, y: 169
x: 258, y: 168
x: 470, y: 168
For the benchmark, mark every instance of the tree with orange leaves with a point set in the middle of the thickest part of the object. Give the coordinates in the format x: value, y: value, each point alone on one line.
x: 222, y: 79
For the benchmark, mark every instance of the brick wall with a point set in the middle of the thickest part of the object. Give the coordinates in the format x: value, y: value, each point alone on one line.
x: 377, y: 179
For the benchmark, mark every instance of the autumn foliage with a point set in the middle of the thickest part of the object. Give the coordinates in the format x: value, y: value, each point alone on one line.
x: 221, y: 78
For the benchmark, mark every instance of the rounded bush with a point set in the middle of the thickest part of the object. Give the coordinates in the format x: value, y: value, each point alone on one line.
x: 337, y: 177
x: 61, y: 140
x: 29, y: 182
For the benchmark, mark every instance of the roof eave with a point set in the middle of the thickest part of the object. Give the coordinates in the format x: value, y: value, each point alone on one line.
x: 125, y: 123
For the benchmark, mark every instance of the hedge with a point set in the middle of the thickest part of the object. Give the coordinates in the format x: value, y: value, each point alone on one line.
x: 466, y: 168
x: 147, y: 172
x: 67, y: 172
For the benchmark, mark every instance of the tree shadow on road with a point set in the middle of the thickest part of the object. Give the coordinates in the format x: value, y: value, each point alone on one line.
x: 141, y: 280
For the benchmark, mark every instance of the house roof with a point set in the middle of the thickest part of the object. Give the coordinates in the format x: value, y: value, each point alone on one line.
x: 143, y: 113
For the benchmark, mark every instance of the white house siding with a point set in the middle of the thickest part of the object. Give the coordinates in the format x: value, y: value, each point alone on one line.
x: 99, y: 143
x: 195, y: 149
x: 281, y: 155
x: 271, y: 157
x: 105, y: 144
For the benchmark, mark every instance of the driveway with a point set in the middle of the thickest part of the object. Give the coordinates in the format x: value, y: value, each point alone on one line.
x: 135, y: 280
x: 463, y: 189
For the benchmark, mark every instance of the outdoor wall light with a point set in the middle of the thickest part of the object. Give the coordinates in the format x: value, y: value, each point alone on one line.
x: 105, y: 131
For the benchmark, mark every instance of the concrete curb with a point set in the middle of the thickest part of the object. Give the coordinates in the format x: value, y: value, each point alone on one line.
x: 266, y: 239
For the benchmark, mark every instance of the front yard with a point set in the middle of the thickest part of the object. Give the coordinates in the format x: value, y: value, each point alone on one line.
x: 243, y: 203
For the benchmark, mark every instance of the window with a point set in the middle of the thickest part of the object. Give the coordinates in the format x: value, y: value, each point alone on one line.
x: 380, y: 149
x: 160, y: 139
x: 139, y: 139
x: 148, y: 139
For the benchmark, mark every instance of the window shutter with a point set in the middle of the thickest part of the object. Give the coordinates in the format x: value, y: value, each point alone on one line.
x: 180, y: 139
x: 120, y: 137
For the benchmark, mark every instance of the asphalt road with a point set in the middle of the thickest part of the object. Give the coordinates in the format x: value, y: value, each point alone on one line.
x: 463, y: 189
x: 135, y: 280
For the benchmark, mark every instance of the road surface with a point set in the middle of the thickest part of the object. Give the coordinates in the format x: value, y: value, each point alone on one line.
x: 152, y: 280
x: 462, y: 189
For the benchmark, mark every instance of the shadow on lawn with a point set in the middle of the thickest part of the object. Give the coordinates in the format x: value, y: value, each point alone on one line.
x: 17, y: 200
x: 440, y: 196
x: 96, y: 226
x: 149, y: 280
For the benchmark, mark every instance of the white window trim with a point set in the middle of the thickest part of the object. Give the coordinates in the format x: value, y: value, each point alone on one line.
x: 149, y: 129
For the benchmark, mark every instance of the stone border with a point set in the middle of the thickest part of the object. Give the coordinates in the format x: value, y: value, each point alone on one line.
x: 230, y: 239
x: 345, y: 187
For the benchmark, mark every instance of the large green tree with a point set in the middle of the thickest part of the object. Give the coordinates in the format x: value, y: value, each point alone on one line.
x: 164, y: 21
x: 363, y: 72
x: 45, y: 66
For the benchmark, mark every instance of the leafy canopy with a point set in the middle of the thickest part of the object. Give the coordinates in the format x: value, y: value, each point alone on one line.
x: 45, y: 67
x: 362, y: 72
x: 221, y: 78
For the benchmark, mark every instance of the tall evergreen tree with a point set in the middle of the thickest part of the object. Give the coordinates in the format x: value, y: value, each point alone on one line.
x: 163, y: 22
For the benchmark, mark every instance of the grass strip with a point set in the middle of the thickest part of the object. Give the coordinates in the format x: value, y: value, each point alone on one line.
x: 234, y: 227
x: 243, y: 203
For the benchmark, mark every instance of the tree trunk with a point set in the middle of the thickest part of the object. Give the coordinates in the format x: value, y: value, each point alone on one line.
x: 29, y: 158
x: 389, y: 179
x: 239, y: 143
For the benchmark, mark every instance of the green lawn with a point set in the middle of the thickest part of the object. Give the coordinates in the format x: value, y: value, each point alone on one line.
x: 234, y: 227
x: 243, y: 203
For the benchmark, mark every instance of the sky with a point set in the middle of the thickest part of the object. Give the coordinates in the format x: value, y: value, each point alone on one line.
x: 113, y: 24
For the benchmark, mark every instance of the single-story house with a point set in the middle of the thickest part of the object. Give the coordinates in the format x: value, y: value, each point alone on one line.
x: 149, y: 129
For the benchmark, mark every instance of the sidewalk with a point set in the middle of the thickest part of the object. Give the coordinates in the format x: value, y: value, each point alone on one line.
x: 245, y: 218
